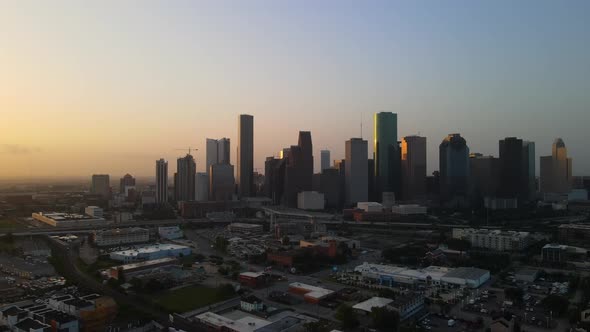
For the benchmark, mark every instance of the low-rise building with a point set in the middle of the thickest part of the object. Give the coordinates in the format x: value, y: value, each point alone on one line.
x: 170, y: 232
x: 60, y: 219
x: 369, y: 206
x: 251, y: 304
x: 574, y: 234
x: 94, y: 211
x: 252, y: 279
x: 409, y: 209
x: 407, y: 305
x: 367, y: 306
x: 559, y: 253
x: 526, y: 275
x: 129, y: 270
x: 152, y: 252
x: 119, y: 236
x: 311, y: 294
x: 310, y: 200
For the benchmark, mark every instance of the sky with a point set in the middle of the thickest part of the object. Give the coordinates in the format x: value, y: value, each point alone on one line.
x: 110, y: 86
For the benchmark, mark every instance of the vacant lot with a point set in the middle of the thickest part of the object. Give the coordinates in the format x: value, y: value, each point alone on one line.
x: 189, y: 298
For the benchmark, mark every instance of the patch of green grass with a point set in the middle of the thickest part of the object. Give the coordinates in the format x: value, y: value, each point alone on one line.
x: 189, y: 298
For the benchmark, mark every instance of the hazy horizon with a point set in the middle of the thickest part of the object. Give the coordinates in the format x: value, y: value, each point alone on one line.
x: 110, y: 87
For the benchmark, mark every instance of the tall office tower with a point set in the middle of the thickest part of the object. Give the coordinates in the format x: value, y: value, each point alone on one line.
x: 325, y: 159
x: 356, y: 174
x: 529, y: 168
x: 127, y: 181
x: 284, y: 153
x: 371, y: 178
x: 294, y: 176
x: 386, y: 153
x: 218, y: 151
x: 484, y: 177
x: 413, y: 161
x: 556, y: 170
x: 306, y: 146
x: 454, y: 170
x: 340, y: 165
x: 515, y: 159
x: 202, y: 187
x: 101, y: 185
x: 331, y: 187
x: 186, y: 170
x: 221, y: 182
x: 161, y: 181
x: 274, y: 179
x: 245, y: 155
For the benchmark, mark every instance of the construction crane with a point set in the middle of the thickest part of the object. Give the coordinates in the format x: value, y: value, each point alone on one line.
x: 189, y: 149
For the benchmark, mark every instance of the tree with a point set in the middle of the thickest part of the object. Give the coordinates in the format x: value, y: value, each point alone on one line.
x: 385, y: 319
x: 556, y: 303
x: 345, y: 314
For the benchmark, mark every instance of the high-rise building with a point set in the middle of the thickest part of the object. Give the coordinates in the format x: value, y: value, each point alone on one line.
x: 127, y: 181
x: 274, y: 179
x: 298, y: 169
x: 325, y: 159
x: 484, y: 177
x: 221, y: 182
x: 161, y: 181
x: 218, y: 152
x: 185, y: 179
x: 413, y: 160
x: 245, y: 155
x: 454, y: 169
x: 556, y: 170
x: 101, y: 185
x: 386, y: 153
x: 304, y: 142
x: 356, y: 177
x: 516, y: 164
x: 202, y: 187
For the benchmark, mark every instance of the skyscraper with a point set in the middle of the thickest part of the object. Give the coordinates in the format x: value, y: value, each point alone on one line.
x: 127, y: 181
x: 413, y: 160
x: 245, y: 155
x: 202, y: 187
x: 101, y: 185
x: 161, y: 181
x: 387, y: 153
x: 325, y: 159
x: 218, y: 152
x: 221, y: 182
x: 356, y: 174
x: 556, y: 170
x: 454, y: 169
x: 304, y: 142
x: 516, y: 157
x: 185, y: 178
x: 484, y: 177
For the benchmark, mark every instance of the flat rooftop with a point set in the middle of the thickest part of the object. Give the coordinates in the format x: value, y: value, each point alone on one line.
x: 374, y: 302
x: 150, y: 249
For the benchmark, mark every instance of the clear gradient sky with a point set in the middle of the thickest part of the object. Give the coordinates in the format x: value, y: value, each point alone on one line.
x: 111, y: 86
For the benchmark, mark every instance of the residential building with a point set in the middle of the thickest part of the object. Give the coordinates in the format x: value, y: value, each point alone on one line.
x: 184, y: 184
x: 494, y: 239
x: 161, y: 181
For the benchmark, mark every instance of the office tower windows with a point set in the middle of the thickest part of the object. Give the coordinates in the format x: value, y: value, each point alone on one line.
x: 556, y: 170
x: 386, y: 153
x: 356, y: 173
x: 245, y: 155
x: 101, y: 185
x: 454, y: 170
x: 413, y: 160
x: 325, y: 159
x: 161, y: 181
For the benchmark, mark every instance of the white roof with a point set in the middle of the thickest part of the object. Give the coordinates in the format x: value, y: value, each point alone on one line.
x: 252, y: 274
x: 150, y: 249
x: 246, y: 324
x: 374, y: 302
x: 314, y: 291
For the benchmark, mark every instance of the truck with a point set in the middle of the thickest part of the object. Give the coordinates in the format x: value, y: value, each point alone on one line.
x: 451, y: 323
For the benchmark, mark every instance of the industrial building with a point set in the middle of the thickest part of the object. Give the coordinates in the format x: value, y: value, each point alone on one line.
x: 311, y: 294
x: 119, y: 236
x: 390, y: 275
x: 152, y: 252
x: 60, y: 219
x: 494, y: 239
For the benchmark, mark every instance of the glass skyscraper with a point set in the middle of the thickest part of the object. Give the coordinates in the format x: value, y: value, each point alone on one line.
x: 387, y: 153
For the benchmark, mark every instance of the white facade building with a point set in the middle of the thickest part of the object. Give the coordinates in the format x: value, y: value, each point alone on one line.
x: 494, y: 239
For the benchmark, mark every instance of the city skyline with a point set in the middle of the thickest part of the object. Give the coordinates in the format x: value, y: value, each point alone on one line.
x: 80, y: 110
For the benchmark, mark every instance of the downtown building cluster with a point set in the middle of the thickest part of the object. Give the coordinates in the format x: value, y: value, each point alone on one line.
x: 396, y: 172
